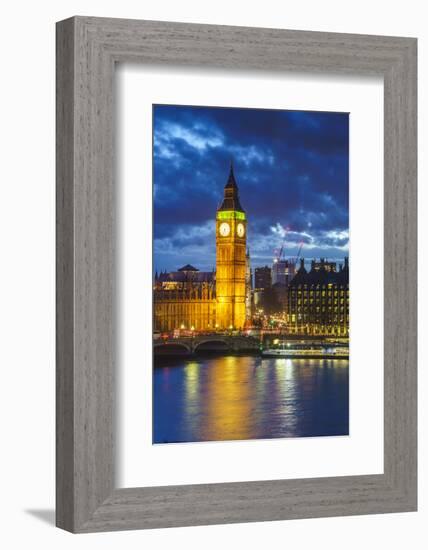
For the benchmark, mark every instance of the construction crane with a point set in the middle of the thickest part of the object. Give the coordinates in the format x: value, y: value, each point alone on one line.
x: 279, y: 253
x: 298, y: 252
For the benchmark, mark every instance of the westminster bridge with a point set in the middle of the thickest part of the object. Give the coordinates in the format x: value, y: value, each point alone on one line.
x: 189, y: 345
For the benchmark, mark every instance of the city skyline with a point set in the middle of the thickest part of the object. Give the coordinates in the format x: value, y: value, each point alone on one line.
x: 299, y: 159
x: 249, y: 362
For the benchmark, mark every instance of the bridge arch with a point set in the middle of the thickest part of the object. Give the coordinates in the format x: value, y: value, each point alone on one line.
x: 212, y: 344
x: 171, y: 348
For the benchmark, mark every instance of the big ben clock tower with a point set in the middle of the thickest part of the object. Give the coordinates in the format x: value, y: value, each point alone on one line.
x: 231, y: 244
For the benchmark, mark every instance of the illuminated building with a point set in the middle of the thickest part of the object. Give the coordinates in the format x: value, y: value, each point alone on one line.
x: 322, y: 264
x: 248, y: 288
x: 231, y: 246
x: 262, y: 277
x: 318, y: 300
x: 184, y: 299
x: 283, y: 271
x: 191, y: 299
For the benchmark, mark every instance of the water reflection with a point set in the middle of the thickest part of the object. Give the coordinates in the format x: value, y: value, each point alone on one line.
x: 233, y: 398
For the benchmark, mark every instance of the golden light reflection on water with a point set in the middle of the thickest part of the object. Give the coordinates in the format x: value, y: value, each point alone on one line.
x: 237, y: 402
x: 191, y: 374
x: 235, y: 398
x: 225, y: 410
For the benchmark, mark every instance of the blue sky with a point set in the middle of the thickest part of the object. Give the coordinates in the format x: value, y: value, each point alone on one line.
x: 291, y: 168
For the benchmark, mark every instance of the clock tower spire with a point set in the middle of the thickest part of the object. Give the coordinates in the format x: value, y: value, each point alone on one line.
x: 231, y: 244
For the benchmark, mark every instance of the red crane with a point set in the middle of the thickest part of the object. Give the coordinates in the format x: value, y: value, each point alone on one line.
x: 279, y: 253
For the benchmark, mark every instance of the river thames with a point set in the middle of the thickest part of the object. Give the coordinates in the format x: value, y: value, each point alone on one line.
x: 222, y: 398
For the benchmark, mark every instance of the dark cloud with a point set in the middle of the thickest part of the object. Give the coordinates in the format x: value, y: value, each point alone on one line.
x: 291, y: 168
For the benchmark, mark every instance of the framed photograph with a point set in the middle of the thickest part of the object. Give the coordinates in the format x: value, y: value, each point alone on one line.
x: 236, y: 359
x: 236, y: 274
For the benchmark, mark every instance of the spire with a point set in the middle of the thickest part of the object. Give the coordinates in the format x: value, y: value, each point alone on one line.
x: 231, y: 182
x: 231, y: 194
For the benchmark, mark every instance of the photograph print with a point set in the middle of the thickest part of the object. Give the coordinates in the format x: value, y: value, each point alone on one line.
x: 250, y: 274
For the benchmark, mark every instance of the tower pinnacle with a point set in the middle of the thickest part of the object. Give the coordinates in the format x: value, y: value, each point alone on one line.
x: 231, y: 194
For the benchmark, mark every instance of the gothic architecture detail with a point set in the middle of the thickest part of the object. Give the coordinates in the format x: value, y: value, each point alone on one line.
x: 195, y: 300
x: 231, y: 260
x: 184, y: 299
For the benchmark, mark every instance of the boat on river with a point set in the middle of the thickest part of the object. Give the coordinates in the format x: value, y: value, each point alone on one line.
x: 308, y: 349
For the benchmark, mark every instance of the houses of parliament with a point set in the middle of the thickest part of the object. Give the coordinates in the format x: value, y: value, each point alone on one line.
x: 215, y: 300
x: 313, y: 302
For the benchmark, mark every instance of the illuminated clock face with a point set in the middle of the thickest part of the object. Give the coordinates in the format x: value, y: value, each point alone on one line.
x: 240, y: 230
x: 224, y: 229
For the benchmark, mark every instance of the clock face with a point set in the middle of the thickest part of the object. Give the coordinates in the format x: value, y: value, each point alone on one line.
x: 224, y: 229
x: 240, y: 230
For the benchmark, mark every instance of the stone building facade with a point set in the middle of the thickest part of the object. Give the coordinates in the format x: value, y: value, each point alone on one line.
x: 318, y: 300
x: 184, y: 299
x: 194, y: 300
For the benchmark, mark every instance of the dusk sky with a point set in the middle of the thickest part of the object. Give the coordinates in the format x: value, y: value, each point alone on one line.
x: 291, y: 168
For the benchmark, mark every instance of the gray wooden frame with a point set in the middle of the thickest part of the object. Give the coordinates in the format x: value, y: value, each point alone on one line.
x: 87, y: 50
